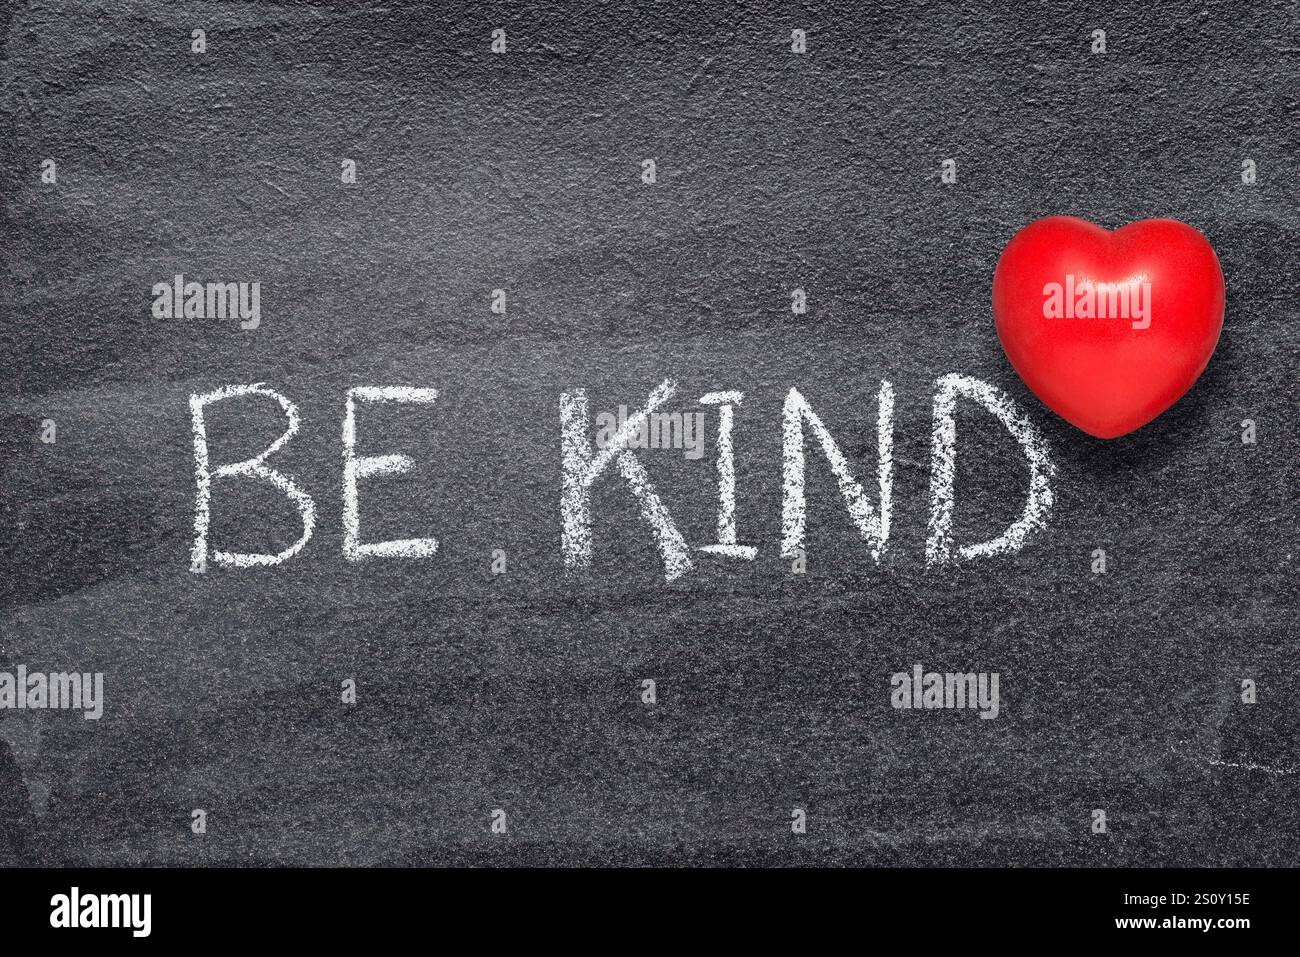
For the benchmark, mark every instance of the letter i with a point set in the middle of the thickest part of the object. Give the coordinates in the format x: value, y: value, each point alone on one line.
x: 726, y: 544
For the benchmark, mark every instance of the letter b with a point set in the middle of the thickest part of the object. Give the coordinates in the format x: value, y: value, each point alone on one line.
x: 249, y: 468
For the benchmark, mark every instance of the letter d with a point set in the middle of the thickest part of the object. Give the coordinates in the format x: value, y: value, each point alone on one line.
x: 943, y: 462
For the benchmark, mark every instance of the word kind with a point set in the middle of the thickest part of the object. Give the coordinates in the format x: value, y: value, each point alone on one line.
x: 179, y: 299
x: 611, y: 456
x: 59, y: 690
x: 951, y: 690
x: 1085, y: 299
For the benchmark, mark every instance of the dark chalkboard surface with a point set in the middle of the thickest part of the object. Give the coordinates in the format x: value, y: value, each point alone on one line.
x: 503, y: 715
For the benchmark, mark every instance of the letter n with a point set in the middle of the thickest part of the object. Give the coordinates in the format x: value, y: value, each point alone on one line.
x: 873, y: 527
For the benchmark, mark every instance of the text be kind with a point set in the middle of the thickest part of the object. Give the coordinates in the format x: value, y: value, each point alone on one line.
x: 586, y: 462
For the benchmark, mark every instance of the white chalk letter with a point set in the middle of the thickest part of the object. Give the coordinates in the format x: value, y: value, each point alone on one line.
x: 943, y: 463
x: 583, y: 465
x: 873, y: 528
x: 726, y: 479
x: 358, y: 468
x: 251, y: 468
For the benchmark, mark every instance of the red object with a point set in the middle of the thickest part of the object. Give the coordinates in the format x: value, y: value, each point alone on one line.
x: 1109, y: 329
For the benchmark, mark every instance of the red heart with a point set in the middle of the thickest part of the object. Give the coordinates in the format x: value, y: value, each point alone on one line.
x: 1156, y: 293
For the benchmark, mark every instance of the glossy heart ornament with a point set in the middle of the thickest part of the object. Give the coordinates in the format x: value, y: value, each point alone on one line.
x: 1109, y: 329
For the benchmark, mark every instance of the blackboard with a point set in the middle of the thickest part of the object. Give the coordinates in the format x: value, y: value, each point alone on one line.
x: 502, y: 718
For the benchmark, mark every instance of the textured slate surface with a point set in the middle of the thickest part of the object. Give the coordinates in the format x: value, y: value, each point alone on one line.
x: 520, y: 692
